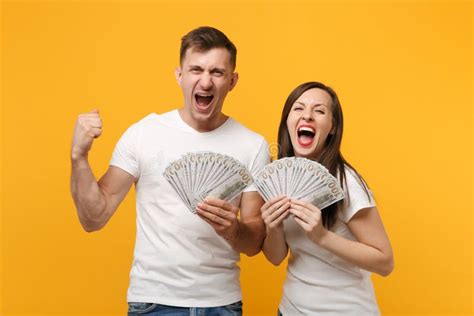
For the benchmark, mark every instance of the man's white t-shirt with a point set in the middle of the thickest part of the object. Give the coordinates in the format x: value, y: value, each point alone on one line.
x: 317, y: 281
x: 179, y: 259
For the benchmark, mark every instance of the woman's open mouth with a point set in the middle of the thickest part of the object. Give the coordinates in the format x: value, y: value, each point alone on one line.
x: 306, y: 135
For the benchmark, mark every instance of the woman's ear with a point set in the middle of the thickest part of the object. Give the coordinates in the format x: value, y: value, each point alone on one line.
x: 333, y: 129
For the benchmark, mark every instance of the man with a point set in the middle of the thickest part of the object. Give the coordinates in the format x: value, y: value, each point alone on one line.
x: 183, y: 262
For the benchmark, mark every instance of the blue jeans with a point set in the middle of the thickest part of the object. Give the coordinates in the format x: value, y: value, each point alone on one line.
x: 152, y: 309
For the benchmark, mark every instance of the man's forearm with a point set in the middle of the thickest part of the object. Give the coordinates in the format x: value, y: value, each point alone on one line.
x: 249, y: 237
x: 88, y: 198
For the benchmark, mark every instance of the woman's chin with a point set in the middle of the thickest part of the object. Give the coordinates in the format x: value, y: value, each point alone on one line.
x: 304, y: 153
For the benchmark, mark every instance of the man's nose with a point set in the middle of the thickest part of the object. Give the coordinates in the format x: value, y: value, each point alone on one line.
x: 205, y: 81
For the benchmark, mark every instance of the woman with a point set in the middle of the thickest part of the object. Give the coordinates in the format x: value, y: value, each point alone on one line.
x: 332, y: 251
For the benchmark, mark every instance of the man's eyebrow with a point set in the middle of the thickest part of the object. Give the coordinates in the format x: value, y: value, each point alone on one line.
x: 218, y: 69
x: 194, y: 67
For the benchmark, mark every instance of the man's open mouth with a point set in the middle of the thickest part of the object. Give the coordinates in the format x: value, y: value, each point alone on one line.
x: 203, y: 100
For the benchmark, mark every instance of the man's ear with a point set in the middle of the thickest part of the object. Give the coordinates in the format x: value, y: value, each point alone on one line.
x: 177, y: 73
x: 233, y: 80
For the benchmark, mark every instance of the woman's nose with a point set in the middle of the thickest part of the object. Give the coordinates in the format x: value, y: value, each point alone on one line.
x: 307, y: 116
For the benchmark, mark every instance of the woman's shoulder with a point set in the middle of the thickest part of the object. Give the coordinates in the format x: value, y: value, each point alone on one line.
x: 357, y: 194
x: 353, y: 179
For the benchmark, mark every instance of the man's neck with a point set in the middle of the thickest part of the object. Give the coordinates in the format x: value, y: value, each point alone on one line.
x: 203, y: 126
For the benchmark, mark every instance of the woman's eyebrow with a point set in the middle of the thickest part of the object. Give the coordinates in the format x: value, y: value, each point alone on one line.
x: 315, y: 105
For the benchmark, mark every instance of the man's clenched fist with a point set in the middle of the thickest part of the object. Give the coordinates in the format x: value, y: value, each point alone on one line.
x: 88, y: 126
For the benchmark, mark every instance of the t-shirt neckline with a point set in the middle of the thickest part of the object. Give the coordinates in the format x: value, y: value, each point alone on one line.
x: 188, y: 128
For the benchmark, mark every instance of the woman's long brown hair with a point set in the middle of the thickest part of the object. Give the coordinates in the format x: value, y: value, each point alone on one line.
x: 331, y: 156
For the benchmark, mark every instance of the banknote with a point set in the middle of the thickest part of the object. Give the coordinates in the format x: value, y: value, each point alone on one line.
x: 196, y: 176
x: 301, y: 179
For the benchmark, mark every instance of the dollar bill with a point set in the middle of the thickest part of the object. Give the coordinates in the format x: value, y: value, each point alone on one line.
x: 301, y: 179
x: 198, y: 175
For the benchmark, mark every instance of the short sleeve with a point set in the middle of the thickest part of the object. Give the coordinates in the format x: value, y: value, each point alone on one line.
x: 125, y: 154
x: 261, y: 159
x: 356, y: 197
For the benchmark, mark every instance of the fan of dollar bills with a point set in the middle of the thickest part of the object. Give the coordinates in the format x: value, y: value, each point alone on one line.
x: 300, y: 179
x: 196, y: 176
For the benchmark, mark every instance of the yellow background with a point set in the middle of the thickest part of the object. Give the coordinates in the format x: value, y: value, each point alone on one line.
x: 403, y: 71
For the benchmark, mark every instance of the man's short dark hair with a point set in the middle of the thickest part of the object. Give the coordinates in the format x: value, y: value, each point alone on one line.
x: 205, y: 38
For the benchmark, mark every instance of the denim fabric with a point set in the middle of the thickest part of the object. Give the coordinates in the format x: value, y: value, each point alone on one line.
x: 152, y: 309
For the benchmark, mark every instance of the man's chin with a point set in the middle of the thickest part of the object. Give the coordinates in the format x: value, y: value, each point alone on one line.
x: 200, y: 114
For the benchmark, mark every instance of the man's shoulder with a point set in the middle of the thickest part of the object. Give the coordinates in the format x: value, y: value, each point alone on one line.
x: 154, y: 118
x: 244, y: 131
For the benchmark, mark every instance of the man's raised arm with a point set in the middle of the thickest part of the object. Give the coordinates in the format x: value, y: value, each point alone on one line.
x: 95, y: 202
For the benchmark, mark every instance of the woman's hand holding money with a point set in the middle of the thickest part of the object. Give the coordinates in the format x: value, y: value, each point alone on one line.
x: 221, y: 215
x: 309, y: 218
x: 274, y: 212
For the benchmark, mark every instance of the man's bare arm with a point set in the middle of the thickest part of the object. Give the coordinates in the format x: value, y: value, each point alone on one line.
x: 95, y: 202
x: 251, y: 227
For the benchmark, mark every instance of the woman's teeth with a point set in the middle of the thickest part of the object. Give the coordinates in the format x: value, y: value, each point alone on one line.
x: 306, y: 135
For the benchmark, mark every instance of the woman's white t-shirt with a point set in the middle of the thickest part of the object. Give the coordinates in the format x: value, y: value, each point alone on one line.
x: 317, y: 281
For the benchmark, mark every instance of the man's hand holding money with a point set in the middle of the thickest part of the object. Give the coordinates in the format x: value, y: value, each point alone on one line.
x: 221, y: 215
